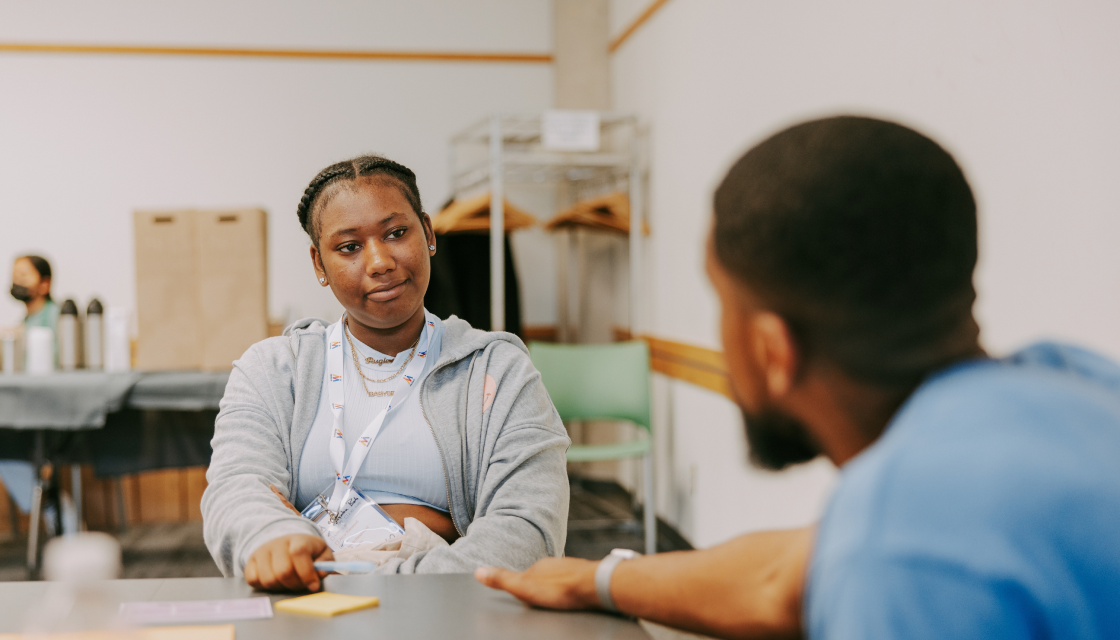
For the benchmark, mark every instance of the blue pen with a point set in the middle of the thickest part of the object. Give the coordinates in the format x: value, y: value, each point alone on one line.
x: 348, y: 567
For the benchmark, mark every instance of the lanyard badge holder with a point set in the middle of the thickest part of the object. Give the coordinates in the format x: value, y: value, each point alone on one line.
x: 349, y: 518
x: 359, y: 522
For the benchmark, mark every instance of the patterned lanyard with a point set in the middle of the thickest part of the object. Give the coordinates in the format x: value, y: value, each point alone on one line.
x: 345, y: 473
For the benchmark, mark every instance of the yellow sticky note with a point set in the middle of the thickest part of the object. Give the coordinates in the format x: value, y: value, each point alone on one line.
x: 326, y: 604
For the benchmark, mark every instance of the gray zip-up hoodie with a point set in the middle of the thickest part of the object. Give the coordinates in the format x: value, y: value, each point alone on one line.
x: 507, y: 485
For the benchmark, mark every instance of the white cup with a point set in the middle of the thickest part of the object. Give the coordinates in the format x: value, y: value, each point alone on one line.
x: 40, y: 350
x: 118, y: 346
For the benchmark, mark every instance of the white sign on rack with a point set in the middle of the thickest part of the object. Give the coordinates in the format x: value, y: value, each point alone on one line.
x: 564, y: 130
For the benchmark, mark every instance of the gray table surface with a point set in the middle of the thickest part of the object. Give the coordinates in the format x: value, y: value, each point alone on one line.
x: 81, y: 399
x: 62, y: 401
x: 412, y: 606
x: 179, y: 390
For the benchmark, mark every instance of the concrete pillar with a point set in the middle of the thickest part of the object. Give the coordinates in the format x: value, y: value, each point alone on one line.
x: 580, y: 66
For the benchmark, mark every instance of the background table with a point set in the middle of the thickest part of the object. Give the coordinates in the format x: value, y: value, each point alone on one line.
x: 78, y: 400
x: 412, y: 606
x: 119, y: 422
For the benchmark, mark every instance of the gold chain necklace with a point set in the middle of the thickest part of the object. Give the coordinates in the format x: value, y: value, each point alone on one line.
x: 354, y: 356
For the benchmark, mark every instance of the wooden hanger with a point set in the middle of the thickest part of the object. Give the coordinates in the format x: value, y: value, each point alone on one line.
x: 610, y: 212
x: 472, y: 215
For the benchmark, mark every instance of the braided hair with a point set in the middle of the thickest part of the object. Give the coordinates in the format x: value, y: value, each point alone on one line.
x: 316, y: 195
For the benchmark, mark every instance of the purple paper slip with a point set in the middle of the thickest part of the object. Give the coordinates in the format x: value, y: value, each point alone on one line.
x: 197, y: 610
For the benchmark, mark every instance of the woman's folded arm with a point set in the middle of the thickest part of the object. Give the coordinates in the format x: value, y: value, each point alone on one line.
x: 239, y: 510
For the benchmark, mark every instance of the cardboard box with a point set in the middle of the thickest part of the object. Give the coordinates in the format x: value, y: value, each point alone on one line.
x: 169, y: 334
x: 201, y: 287
x: 233, y: 286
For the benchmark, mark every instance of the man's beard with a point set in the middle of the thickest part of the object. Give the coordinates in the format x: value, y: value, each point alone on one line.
x: 777, y: 441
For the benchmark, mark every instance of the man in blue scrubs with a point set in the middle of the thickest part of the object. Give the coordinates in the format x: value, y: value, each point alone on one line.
x: 978, y: 497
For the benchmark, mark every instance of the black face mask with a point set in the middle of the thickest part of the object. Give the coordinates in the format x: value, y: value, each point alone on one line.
x: 21, y: 293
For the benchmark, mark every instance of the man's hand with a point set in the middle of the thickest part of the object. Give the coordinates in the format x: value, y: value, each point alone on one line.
x: 553, y: 583
x: 287, y: 564
x: 749, y: 587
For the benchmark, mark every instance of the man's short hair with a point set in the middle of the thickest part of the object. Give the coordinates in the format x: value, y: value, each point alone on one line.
x: 861, y: 234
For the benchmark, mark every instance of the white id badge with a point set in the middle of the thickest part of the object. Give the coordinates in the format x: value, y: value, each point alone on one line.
x: 360, y: 521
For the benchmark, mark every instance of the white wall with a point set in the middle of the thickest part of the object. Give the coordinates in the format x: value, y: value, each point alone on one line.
x: 1025, y: 94
x: 87, y: 139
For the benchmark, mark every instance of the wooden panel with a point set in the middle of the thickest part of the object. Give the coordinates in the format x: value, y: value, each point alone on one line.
x: 130, y: 491
x: 99, y: 501
x: 5, y: 504
x: 160, y: 496
x: 232, y: 284
x: 167, y: 495
x: 167, y: 316
x: 195, y: 485
x: 314, y: 54
x: 539, y: 333
x: 5, y: 516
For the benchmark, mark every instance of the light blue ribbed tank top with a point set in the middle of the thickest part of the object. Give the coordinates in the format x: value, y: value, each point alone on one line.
x: 404, y: 464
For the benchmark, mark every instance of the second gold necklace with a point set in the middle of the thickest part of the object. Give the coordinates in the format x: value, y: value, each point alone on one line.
x: 354, y: 357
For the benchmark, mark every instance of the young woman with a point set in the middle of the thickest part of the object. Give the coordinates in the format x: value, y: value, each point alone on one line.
x: 462, y: 437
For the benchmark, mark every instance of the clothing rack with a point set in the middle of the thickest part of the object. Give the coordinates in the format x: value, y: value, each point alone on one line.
x: 507, y: 149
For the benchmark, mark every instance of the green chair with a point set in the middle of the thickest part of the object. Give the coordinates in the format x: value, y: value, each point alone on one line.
x: 604, y: 382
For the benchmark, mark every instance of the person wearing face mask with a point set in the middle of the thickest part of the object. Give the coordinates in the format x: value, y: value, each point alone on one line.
x: 31, y: 285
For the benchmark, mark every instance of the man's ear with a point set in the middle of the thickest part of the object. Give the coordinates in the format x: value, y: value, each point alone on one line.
x: 776, y: 351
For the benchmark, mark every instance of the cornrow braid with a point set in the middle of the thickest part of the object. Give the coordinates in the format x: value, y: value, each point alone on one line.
x: 349, y: 170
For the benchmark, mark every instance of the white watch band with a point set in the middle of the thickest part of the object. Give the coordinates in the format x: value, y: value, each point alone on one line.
x: 603, y: 575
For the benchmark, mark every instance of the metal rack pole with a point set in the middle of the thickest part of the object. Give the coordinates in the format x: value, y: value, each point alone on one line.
x: 497, y: 229
x: 649, y: 490
x: 636, y: 218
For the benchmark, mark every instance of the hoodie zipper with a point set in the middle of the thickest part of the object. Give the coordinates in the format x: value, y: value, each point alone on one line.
x: 442, y: 459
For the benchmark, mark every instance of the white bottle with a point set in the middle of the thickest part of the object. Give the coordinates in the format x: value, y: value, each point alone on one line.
x: 68, y: 336
x: 76, y: 598
x: 40, y: 350
x: 8, y: 357
x: 118, y: 346
x: 94, y: 338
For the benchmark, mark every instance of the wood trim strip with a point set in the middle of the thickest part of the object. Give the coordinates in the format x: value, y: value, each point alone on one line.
x: 698, y: 365
x: 636, y: 24
x: 707, y: 379
x: 693, y: 356
x: 312, y: 54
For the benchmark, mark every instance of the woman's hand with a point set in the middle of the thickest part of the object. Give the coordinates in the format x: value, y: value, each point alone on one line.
x: 287, y: 564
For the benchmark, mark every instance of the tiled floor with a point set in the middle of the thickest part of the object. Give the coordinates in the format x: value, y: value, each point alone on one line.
x: 176, y: 549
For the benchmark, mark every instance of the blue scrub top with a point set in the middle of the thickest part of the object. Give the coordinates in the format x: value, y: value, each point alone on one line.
x: 990, y: 508
x: 45, y: 317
